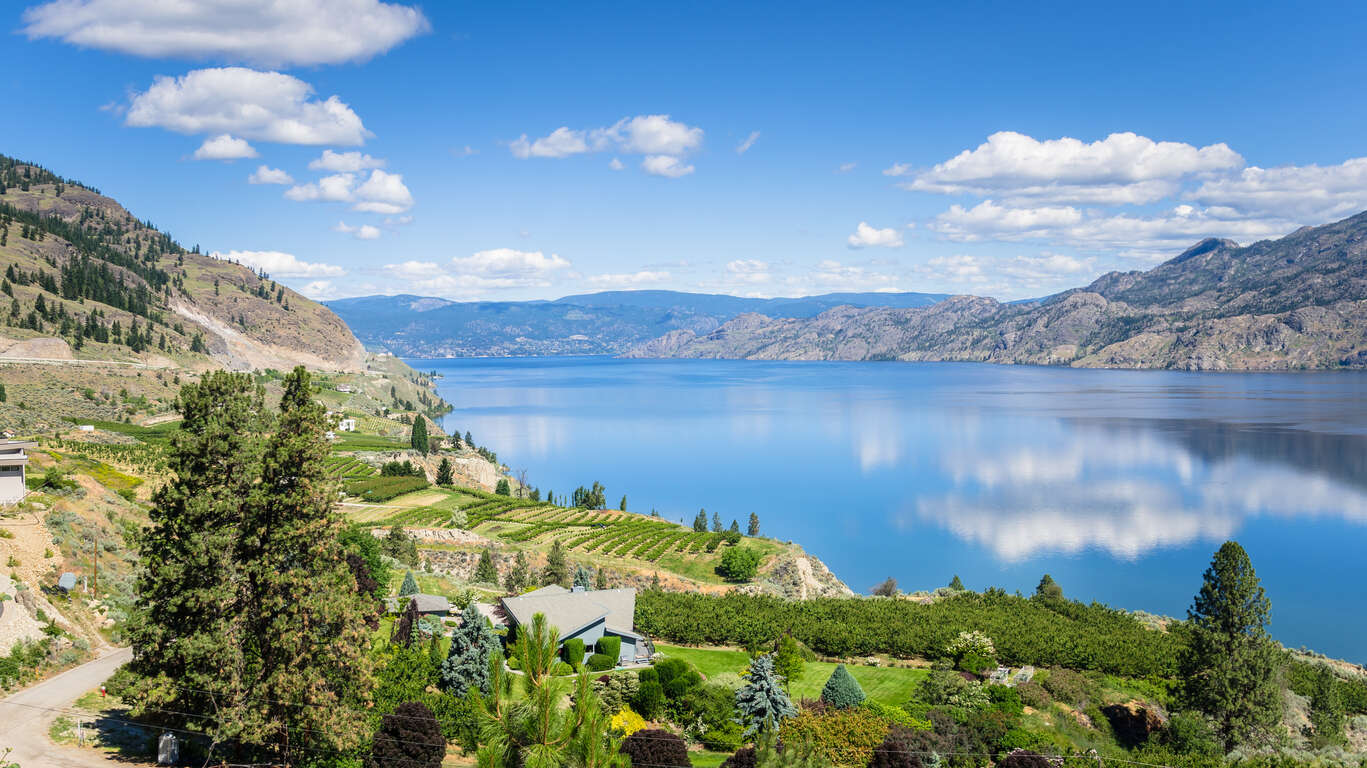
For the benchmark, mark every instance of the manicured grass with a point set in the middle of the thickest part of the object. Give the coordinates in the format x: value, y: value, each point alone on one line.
x: 887, y: 685
x: 707, y: 759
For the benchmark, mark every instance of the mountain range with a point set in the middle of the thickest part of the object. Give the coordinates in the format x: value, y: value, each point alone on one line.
x: 1299, y: 302
x: 610, y: 322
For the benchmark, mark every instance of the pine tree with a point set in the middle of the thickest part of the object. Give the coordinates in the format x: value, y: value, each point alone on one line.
x: 1048, y: 589
x: 410, y: 585
x: 583, y: 577
x: 518, y: 576
x: 788, y: 659
x: 185, y: 633
x: 716, y: 523
x: 305, y: 635
x: 417, y: 440
x: 753, y: 529
x: 842, y: 691
x: 502, y: 488
x: 761, y: 703
x: 600, y: 578
x: 467, y: 661
x: 623, y: 506
x: 486, y: 572
x: 700, y: 522
x: 1229, y: 667
x: 956, y: 583
x: 735, y: 528
x: 557, y: 568
x: 444, y: 473
x: 3, y: 395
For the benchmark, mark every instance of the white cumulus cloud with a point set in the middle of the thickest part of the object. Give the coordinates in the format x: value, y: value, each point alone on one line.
x: 271, y: 33
x: 1314, y: 193
x: 279, y: 264
x: 345, y: 162
x: 266, y: 106
x: 224, y: 147
x: 264, y: 174
x: 665, y: 165
x: 381, y: 192
x: 363, y: 232
x: 866, y: 236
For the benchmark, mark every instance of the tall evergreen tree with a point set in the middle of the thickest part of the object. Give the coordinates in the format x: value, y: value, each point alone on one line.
x: 305, y: 633
x: 700, y: 522
x: 417, y: 439
x: 518, y: 575
x: 623, y: 506
x: 1229, y: 667
x: 444, y: 473
x: 184, y: 628
x: 761, y: 704
x: 753, y: 529
x: 486, y: 572
x: 1048, y: 589
x: 467, y: 662
x: 557, y: 568
x: 583, y: 577
x: 956, y: 583
x: 409, y: 586
x: 735, y: 527
x: 716, y: 523
x: 406, y: 626
x: 600, y: 578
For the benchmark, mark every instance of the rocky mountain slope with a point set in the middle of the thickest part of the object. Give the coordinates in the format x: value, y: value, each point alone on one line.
x: 610, y: 322
x: 1295, y: 303
x: 84, y: 279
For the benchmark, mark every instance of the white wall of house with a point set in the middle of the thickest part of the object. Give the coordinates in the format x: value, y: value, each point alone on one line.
x: 12, y: 485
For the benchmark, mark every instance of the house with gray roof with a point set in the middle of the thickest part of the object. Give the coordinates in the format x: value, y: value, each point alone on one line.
x: 588, y: 614
x: 428, y: 605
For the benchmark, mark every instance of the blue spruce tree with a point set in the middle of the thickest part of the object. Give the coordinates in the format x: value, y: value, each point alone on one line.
x: 467, y: 663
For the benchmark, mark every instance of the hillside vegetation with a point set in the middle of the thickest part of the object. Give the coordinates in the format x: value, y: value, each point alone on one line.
x: 1294, y: 303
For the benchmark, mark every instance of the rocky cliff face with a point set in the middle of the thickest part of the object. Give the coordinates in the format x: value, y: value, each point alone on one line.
x: 1295, y: 303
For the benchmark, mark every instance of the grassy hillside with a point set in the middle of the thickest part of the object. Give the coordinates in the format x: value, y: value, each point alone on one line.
x: 86, y: 280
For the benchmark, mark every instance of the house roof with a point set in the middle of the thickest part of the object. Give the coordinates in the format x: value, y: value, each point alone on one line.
x: 432, y: 603
x: 572, y: 611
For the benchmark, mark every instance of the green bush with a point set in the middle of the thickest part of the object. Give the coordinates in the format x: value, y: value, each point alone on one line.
x: 560, y: 668
x: 1067, y: 686
x: 738, y: 564
x: 842, y: 691
x: 611, y: 646
x: 649, y: 699
x: 574, y: 651
x: 1005, y: 699
x: 841, y: 736
x: 600, y: 662
x: 1033, y: 695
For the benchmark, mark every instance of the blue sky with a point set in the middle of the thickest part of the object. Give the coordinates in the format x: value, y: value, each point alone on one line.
x: 514, y: 150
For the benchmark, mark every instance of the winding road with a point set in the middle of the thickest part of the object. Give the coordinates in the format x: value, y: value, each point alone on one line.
x: 26, y: 716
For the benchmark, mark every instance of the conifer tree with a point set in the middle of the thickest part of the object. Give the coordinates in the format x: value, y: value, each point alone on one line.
x: 444, y: 473
x: 623, y: 506
x: 761, y: 704
x: 716, y: 523
x: 700, y: 522
x: 305, y: 633
x: 583, y: 577
x: 1229, y: 667
x: 842, y: 691
x: 485, y: 571
x: 467, y: 662
x: 410, y: 585
x: 3, y: 395
x: 956, y: 583
x: 557, y: 568
x: 735, y: 527
x: 600, y: 578
x: 406, y: 625
x: 417, y: 439
x: 502, y: 488
x: 518, y: 575
x: 1048, y: 589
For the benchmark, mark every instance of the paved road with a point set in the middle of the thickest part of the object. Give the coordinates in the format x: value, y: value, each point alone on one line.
x: 26, y: 716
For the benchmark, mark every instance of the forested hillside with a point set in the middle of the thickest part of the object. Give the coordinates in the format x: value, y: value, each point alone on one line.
x: 85, y: 279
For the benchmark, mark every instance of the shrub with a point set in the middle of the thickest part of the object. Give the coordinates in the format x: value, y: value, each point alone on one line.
x: 842, y: 691
x: 1033, y: 695
x: 1067, y: 686
x: 408, y: 738
x: 840, y: 736
x: 1024, y: 758
x: 738, y: 564
x: 574, y: 651
x: 626, y: 722
x: 744, y: 757
x: 1005, y: 699
x: 972, y: 651
x: 657, y: 748
x: 599, y: 662
x: 905, y: 748
x: 614, y: 691
x: 649, y: 698
x: 896, y: 716
x: 561, y: 669
x: 611, y: 646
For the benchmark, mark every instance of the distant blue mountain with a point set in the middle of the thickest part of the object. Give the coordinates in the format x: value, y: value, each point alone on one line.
x: 595, y: 323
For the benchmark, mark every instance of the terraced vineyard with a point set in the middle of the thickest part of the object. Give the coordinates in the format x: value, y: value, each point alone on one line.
x: 522, y: 521
x: 349, y: 467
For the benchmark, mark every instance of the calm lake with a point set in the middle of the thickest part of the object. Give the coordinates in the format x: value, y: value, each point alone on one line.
x: 1121, y: 484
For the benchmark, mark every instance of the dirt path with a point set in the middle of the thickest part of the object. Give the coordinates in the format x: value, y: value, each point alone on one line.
x: 26, y: 716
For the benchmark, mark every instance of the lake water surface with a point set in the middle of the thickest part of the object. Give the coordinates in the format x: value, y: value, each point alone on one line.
x: 1121, y: 484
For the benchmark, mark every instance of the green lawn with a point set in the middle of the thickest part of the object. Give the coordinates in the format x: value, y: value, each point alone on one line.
x: 887, y: 685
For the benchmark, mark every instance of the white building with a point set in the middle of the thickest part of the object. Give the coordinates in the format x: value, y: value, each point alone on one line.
x: 13, y: 459
x: 344, y: 388
x: 346, y: 425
